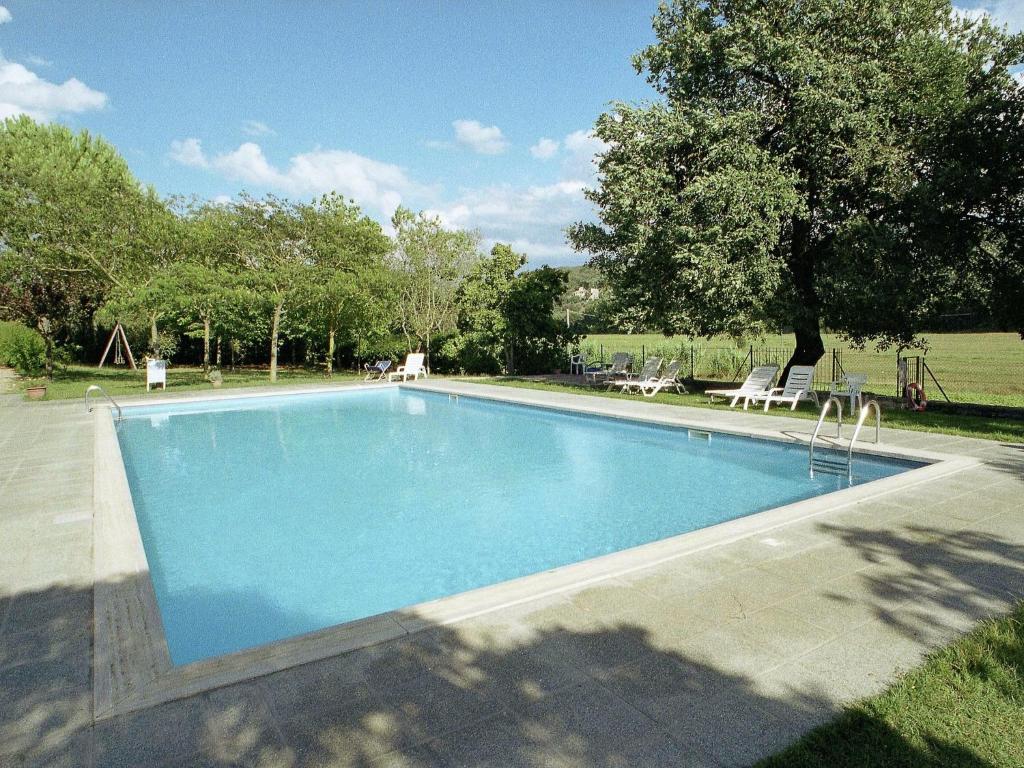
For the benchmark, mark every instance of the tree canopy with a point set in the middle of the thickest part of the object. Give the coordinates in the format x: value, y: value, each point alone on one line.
x: 851, y: 165
x: 74, y: 223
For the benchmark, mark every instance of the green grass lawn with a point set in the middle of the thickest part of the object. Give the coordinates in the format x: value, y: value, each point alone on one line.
x: 73, y: 381
x: 988, y: 428
x: 963, y: 708
x: 983, y: 368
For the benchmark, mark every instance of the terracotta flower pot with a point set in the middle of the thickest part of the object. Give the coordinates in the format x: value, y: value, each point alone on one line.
x: 36, y: 393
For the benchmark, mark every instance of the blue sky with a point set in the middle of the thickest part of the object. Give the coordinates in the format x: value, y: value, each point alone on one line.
x: 477, y: 111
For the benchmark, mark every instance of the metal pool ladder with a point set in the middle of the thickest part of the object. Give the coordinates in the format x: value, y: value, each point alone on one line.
x: 862, y: 417
x: 817, y: 428
x: 97, y: 388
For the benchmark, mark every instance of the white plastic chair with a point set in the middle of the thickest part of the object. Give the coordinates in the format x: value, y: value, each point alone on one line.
x: 413, y: 366
x: 850, y: 385
x: 757, y: 383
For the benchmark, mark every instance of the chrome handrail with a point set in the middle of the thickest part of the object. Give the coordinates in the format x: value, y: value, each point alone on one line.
x: 98, y: 388
x: 821, y: 420
x: 860, y: 423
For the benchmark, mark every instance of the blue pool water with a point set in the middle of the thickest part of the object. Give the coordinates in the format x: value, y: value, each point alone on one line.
x: 264, y: 518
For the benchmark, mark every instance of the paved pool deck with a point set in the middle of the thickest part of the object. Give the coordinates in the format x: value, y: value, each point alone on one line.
x: 715, y: 658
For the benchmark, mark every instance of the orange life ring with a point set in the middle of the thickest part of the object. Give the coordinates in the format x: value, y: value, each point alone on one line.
x: 915, y: 397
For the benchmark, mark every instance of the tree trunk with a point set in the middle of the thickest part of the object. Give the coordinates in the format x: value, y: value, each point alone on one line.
x: 428, y: 355
x: 809, y: 345
x: 806, y: 317
x: 206, y: 345
x: 330, y: 350
x: 274, y: 328
x: 46, y: 330
x: 218, y: 352
x: 154, y: 334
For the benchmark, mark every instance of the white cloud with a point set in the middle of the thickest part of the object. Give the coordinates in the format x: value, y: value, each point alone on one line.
x: 533, y: 218
x: 23, y: 92
x: 484, y: 140
x: 378, y: 186
x: 5, y: 15
x: 1008, y: 12
x: 188, y: 152
x: 249, y: 165
x: 257, y: 128
x: 584, y: 143
x: 38, y: 61
x: 544, y: 149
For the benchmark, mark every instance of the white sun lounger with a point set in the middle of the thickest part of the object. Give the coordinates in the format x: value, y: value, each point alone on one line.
x: 647, y: 373
x: 799, y: 386
x: 651, y: 387
x: 619, y: 368
x: 758, y: 383
x: 413, y: 366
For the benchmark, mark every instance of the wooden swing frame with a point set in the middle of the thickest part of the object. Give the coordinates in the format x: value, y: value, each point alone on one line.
x: 118, y: 332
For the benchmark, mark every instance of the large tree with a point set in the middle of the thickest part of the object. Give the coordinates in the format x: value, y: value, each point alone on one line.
x: 349, y: 290
x: 271, y: 237
x: 855, y: 165
x: 429, y: 263
x: 74, y: 224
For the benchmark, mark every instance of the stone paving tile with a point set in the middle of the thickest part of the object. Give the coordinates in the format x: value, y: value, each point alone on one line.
x: 731, y: 725
x: 499, y: 743
x: 817, y: 565
x: 730, y: 650
x: 151, y: 736
x: 341, y: 733
x: 588, y: 714
x: 838, y: 672
x: 683, y: 575
x: 432, y: 705
x: 241, y: 729
x: 42, y: 643
x: 841, y: 605
x: 517, y: 680
x: 57, y: 610
x: 73, y: 752
x: 743, y: 593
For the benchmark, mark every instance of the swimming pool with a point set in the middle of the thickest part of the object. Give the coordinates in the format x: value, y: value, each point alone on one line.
x: 268, y: 517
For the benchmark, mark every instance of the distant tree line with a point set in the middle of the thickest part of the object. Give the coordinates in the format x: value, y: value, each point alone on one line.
x: 83, y: 246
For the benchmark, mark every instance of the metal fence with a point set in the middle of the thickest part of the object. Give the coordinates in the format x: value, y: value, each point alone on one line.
x: 965, y: 378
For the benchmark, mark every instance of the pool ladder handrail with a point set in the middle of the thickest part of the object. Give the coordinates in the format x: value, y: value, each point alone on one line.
x: 821, y: 420
x: 864, y: 411
x: 97, y: 388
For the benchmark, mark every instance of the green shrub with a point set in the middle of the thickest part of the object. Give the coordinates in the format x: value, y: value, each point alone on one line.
x: 22, y: 348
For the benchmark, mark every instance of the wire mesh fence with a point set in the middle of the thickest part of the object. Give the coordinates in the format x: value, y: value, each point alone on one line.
x: 971, y: 374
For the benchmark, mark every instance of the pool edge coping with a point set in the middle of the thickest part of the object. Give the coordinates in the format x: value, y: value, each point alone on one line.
x: 131, y: 664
